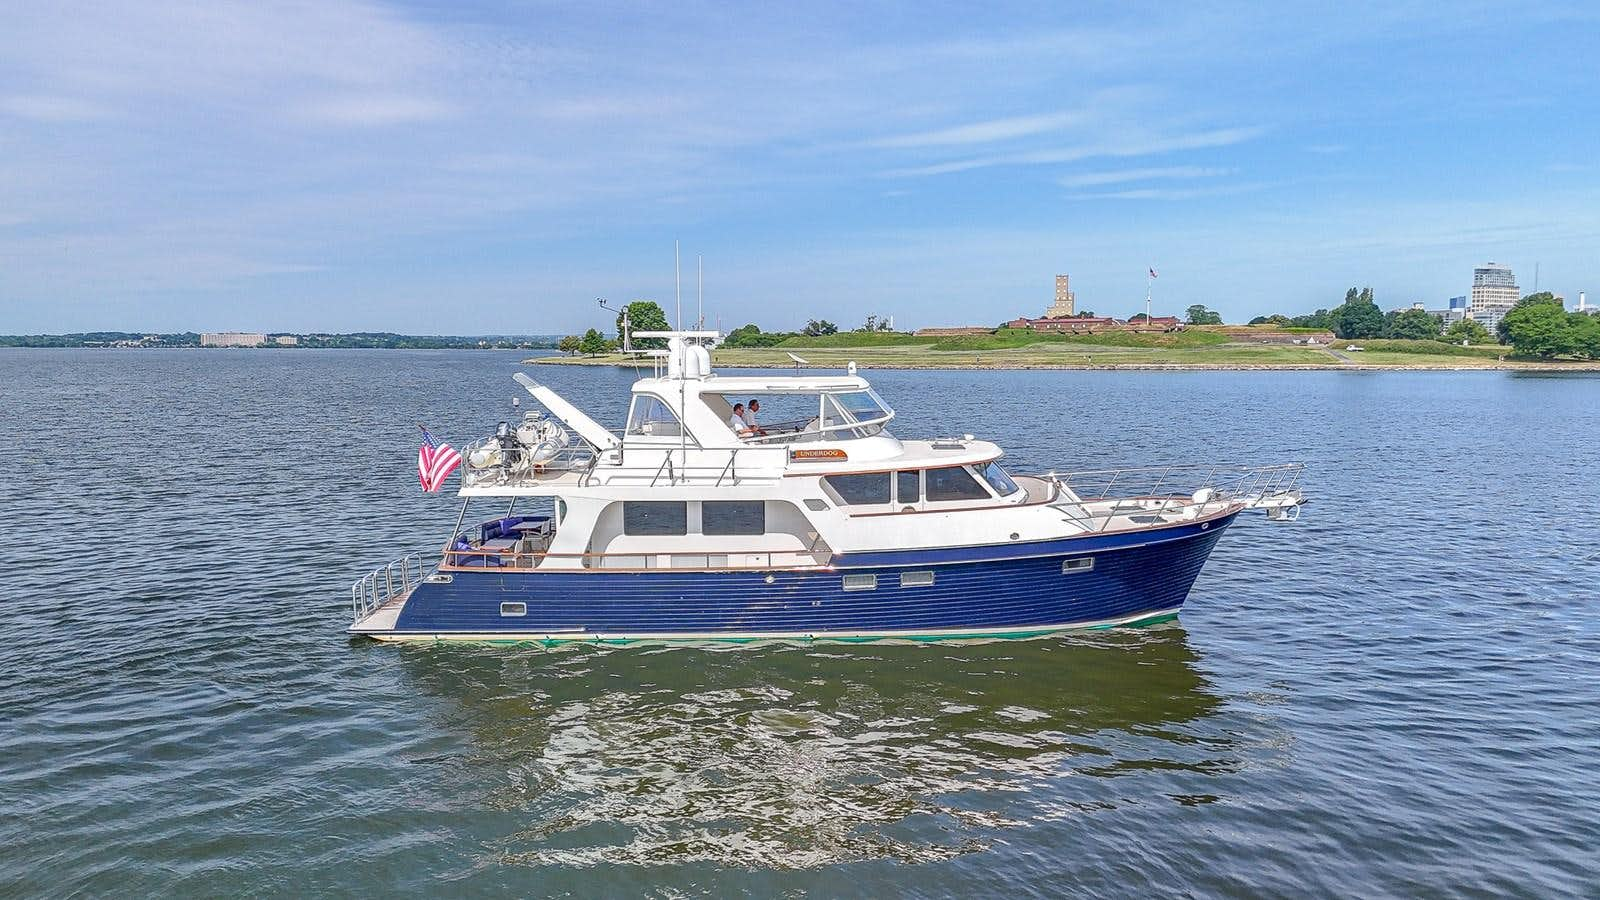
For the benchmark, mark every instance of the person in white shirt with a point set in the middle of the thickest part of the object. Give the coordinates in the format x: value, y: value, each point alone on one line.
x: 750, y: 417
x: 736, y: 421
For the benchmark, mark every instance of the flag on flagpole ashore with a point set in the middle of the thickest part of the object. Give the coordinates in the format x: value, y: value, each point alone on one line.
x: 435, y: 462
x: 1152, y: 273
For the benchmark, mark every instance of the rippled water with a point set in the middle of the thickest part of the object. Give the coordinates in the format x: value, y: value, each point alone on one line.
x: 1398, y: 695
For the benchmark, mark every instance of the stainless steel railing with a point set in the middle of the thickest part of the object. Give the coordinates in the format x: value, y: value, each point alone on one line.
x: 1096, y: 497
x: 381, y: 585
x: 514, y: 465
x: 715, y: 560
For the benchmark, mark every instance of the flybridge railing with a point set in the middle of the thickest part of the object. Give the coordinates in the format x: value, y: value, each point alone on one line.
x: 498, y: 466
x: 1143, y: 495
x: 379, y: 586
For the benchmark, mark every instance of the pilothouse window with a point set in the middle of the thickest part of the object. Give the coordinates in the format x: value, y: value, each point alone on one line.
x: 999, y: 480
x: 863, y: 489
x: 908, y: 487
x: 954, y: 483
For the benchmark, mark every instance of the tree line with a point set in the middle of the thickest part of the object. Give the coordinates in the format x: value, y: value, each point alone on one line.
x: 1537, y: 326
x: 647, y: 315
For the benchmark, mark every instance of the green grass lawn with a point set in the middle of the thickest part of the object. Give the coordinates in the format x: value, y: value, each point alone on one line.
x: 857, y: 339
x: 1010, y: 350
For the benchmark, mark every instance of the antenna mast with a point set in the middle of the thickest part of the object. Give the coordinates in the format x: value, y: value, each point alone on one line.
x: 700, y: 293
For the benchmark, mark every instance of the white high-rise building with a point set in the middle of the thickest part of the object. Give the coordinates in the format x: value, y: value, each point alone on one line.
x: 1494, y: 292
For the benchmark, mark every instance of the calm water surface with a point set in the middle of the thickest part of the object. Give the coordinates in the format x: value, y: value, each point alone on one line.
x: 1399, y: 695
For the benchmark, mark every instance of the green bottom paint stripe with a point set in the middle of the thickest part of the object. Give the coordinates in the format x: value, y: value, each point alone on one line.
x: 601, y: 640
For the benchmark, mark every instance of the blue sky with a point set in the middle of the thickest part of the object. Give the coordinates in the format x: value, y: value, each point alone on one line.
x: 486, y: 167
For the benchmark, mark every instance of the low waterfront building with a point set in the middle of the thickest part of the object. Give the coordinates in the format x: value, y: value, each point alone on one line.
x: 1072, y: 325
x: 1155, y: 323
x: 232, y: 339
x: 1455, y: 311
x: 954, y: 331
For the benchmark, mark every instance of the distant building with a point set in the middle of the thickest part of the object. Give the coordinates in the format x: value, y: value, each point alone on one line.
x: 1455, y: 310
x: 1073, y: 325
x: 233, y: 339
x: 1494, y: 293
x: 954, y: 331
x: 1066, y: 302
x: 1154, y: 323
x: 285, y: 340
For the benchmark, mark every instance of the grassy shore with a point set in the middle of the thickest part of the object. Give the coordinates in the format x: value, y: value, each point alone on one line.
x: 1180, y: 350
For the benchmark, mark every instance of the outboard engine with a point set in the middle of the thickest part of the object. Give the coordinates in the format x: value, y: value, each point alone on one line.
x: 511, y: 451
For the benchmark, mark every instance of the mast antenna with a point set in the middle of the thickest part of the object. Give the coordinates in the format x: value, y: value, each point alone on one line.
x: 700, y: 275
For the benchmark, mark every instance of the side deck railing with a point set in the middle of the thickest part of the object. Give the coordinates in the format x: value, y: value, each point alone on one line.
x: 381, y: 585
x: 715, y: 560
x: 1096, y: 497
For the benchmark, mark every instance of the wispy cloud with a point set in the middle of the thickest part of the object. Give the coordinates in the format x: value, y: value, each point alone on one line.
x: 46, y: 108
x: 1092, y: 179
x: 1172, y: 193
x: 1219, y: 137
x: 985, y: 132
x: 362, y: 110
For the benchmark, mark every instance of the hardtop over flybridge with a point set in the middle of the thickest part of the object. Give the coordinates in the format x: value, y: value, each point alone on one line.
x: 697, y: 524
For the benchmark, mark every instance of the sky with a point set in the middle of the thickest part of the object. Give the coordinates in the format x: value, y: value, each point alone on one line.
x: 493, y: 168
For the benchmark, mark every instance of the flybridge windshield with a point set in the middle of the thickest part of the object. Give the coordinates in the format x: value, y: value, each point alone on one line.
x: 794, y: 418
x: 856, y: 414
x: 861, y: 406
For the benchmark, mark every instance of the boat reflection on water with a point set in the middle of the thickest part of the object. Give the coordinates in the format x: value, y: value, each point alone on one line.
x: 790, y: 756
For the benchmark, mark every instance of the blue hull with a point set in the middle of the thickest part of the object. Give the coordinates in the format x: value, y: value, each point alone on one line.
x: 1004, y: 590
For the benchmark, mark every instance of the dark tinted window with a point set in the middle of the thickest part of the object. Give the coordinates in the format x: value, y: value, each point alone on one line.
x: 733, y: 517
x: 857, y: 489
x: 655, y: 517
x: 908, y: 486
x: 954, y: 483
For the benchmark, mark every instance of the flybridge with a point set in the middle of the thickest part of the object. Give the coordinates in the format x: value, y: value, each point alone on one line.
x: 685, y: 425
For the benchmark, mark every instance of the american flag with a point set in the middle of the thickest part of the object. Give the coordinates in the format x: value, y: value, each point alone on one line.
x: 1152, y: 273
x: 435, y: 462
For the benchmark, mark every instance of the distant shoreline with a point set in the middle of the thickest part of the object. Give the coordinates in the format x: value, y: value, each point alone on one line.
x: 868, y: 362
